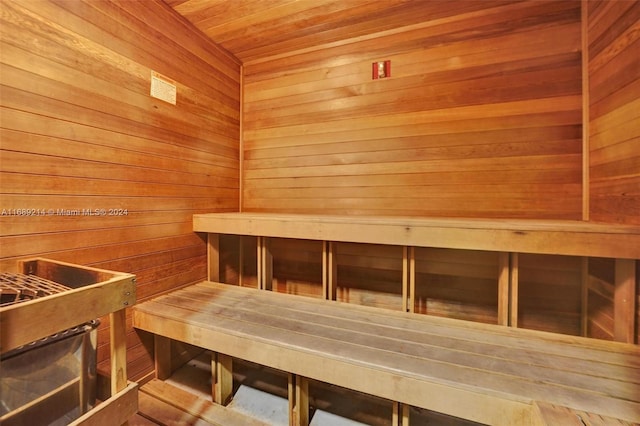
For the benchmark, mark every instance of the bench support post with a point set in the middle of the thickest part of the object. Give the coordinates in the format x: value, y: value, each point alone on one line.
x: 584, y: 297
x: 265, y: 264
x: 508, y: 289
x: 400, y: 415
x: 222, y: 384
x: 162, y: 357
x: 408, y: 278
x: 213, y: 256
x: 513, y: 290
x: 329, y: 269
x: 240, y: 259
x: 503, y: 288
x: 624, y: 301
x: 298, y: 400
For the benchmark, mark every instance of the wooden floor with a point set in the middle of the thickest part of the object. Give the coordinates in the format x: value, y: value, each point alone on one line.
x: 418, y: 360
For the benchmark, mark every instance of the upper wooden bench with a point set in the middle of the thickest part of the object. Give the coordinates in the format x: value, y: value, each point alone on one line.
x: 508, y: 237
x: 572, y: 238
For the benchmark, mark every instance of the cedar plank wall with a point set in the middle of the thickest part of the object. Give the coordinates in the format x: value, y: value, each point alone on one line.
x: 481, y: 118
x: 614, y: 138
x: 614, y: 77
x: 79, y: 130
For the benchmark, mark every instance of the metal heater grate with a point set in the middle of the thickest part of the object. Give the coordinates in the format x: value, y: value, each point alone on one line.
x: 16, y: 288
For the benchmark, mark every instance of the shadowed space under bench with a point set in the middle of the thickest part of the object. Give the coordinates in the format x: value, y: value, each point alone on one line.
x: 485, y: 373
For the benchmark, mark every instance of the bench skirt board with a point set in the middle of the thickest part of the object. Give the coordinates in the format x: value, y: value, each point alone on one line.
x: 484, y: 373
x: 570, y: 238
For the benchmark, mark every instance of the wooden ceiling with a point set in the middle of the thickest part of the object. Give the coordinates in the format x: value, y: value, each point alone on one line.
x: 256, y: 29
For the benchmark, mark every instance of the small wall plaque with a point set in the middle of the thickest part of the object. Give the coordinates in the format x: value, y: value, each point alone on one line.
x: 163, y: 88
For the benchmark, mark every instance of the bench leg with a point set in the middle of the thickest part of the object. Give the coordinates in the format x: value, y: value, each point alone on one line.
x: 265, y: 265
x: 624, y: 301
x: 298, y: 400
x: 584, y: 297
x: 408, y: 279
x: 329, y: 269
x: 213, y: 257
x: 400, y: 414
x: 222, y: 383
x: 162, y: 359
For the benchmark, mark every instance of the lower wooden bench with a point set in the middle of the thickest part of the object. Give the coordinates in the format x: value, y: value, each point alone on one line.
x: 484, y: 373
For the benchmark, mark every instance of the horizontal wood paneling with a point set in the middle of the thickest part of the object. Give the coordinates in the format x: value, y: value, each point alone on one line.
x: 614, y: 76
x: 369, y: 275
x: 549, y: 293
x: 459, y: 284
x: 78, y: 130
x: 481, y: 122
x: 297, y: 266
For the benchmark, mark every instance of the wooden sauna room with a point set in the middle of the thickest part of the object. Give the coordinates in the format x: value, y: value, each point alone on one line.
x: 322, y: 212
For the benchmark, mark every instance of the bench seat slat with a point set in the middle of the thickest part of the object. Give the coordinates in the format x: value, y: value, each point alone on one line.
x: 252, y: 318
x: 442, y: 365
x: 477, y: 407
x: 499, y: 339
x: 612, y: 380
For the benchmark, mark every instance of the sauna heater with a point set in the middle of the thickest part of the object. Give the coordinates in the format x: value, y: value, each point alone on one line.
x: 51, y: 381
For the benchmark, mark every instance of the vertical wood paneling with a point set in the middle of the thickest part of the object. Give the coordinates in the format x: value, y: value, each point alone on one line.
x: 481, y: 117
x: 614, y: 72
x: 79, y: 132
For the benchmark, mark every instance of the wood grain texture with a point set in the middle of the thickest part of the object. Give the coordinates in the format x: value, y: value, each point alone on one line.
x: 459, y: 265
x: 482, y: 123
x: 459, y: 284
x: 166, y: 403
x: 255, y: 30
x: 549, y: 293
x: 570, y: 238
x: 481, y: 117
x: 614, y: 135
x: 415, y: 359
x: 614, y: 72
x: 80, y: 131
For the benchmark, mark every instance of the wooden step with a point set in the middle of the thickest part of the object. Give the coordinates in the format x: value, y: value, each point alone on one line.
x: 164, y: 403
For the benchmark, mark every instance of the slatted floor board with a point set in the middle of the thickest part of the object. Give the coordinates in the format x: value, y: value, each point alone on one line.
x: 480, y: 372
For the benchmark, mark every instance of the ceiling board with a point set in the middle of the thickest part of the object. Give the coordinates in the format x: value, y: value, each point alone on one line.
x: 256, y: 29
